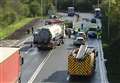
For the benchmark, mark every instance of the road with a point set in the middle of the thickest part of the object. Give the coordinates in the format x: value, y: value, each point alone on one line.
x: 55, y: 69
x: 51, y: 65
x: 32, y: 58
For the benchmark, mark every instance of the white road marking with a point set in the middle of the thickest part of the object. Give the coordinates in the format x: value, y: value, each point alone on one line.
x: 28, y: 51
x: 24, y: 41
x: 39, y: 68
x: 68, y: 77
x: 101, y: 64
x: 99, y: 61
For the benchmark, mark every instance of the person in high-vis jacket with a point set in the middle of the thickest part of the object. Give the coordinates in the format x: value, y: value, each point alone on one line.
x: 99, y: 34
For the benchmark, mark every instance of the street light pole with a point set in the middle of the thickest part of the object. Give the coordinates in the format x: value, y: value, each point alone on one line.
x: 41, y: 8
x: 56, y: 4
x: 73, y: 3
x: 98, y: 3
x: 109, y: 5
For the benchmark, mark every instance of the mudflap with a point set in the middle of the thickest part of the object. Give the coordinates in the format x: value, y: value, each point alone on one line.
x: 19, y: 78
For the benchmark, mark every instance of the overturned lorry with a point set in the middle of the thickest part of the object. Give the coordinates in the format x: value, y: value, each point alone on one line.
x: 48, y: 36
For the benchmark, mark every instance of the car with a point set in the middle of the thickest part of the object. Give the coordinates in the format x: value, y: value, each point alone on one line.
x: 92, y: 32
x: 81, y: 34
x: 93, y: 20
x: 79, y: 41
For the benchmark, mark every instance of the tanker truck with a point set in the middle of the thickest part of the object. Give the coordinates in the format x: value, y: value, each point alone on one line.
x: 48, y: 36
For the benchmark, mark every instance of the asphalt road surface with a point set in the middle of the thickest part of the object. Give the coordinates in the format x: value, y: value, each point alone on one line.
x: 55, y: 68
x: 41, y: 66
x: 32, y: 58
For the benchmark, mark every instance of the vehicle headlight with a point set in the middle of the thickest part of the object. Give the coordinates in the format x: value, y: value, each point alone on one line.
x: 35, y: 32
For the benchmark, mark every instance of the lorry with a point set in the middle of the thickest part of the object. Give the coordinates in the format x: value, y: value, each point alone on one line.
x: 92, y: 30
x: 81, y: 61
x: 10, y: 65
x: 71, y: 11
x: 98, y: 13
x: 48, y: 36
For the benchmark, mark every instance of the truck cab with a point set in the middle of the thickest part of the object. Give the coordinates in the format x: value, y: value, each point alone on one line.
x: 98, y: 13
x: 92, y: 30
x: 71, y: 11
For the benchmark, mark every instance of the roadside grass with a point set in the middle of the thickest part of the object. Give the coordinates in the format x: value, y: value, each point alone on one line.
x: 105, y: 45
x: 111, y: 52
x: 7, y: 30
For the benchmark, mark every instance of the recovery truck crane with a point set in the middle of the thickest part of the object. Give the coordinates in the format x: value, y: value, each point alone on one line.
x: 81, y: 61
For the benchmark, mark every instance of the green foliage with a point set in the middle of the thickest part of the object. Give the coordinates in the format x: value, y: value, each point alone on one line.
x: 35, y: 9
x: 14, y: 10
x: 80, y: 5
x: 5, y: 31
x: 9, y: 17
x: 111, y: 13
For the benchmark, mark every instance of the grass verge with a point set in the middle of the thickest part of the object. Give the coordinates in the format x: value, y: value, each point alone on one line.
x: 6, y: 31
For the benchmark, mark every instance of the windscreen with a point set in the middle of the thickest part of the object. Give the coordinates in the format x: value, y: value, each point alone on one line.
x: 92, y: 29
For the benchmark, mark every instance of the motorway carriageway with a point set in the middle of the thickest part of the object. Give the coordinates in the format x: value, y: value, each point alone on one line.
x: 51, y: 66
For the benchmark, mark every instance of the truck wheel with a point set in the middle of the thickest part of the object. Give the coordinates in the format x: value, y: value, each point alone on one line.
x: 19, y: 80
x: 62, y: 42
x: 69, y: 36
x: 94, y: 66
x: 58, y: 44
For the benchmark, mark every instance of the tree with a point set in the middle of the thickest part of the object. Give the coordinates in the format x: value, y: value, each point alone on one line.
x: 111, y: 13
x: 35, y: 9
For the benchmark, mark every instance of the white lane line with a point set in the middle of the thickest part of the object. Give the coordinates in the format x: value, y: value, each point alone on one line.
x: 39, y: 68
x: 100, y: 66
x: 24, y: 41
x: 28, y: 51
x: 68, y: 77
x: 103, y: 64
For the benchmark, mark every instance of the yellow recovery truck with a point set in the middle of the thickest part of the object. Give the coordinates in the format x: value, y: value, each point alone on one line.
x: 81, y: 61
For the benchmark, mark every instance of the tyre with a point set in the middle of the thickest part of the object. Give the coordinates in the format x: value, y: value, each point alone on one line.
x: 94, y: 66
x: 58, y: 44
x: 62, y: 42
x: 19, y: 80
